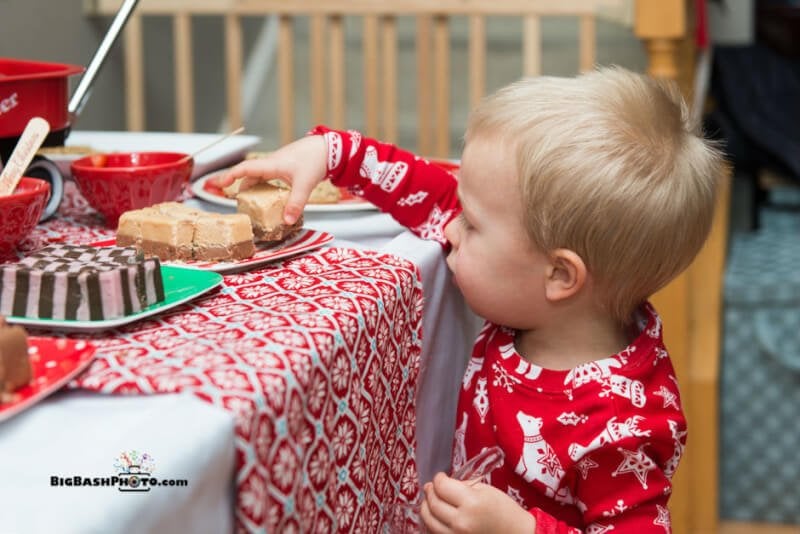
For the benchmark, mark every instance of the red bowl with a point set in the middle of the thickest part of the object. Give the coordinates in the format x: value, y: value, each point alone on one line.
x: 33, y: 89
x: 21, y: 210
x: 118, y: 182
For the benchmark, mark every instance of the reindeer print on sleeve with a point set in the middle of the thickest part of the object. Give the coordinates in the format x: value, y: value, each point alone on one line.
x: 538, y: 461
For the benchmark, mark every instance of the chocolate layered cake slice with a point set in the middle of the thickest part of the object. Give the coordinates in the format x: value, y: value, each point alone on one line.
x: 81, y: 282
x: 15, y: 366
x: 264, y: 204
x: 173, y: 231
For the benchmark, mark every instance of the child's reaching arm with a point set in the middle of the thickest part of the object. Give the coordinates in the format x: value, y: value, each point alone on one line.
x: 419, y: 195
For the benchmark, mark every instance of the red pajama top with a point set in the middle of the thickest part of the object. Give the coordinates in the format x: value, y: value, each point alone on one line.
x: 591, y: 449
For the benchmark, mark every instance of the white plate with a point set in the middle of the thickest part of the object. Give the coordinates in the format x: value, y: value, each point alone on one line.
x: 225, y: 153
x: 181, y: 284
x: 198, y: 188
x: 306, y: 240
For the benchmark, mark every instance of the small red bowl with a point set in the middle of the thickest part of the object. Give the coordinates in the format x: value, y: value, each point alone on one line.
x: 21, y: 210
x: 117, y: 182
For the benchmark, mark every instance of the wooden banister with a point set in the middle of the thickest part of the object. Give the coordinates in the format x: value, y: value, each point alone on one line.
x: 328, y: 76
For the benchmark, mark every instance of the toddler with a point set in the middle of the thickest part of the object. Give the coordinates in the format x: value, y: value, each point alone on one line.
x: 577, y: 199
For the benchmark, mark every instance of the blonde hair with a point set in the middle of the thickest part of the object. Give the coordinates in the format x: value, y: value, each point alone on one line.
x: 611, y: 168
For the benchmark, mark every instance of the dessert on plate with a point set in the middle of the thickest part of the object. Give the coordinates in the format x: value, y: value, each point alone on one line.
x: 80, y: 283
x: 173, y: 231
x: 15, y: 366
x: 264, y: 204
x: 324, y: 193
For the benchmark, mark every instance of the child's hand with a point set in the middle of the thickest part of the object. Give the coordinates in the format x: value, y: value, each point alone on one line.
x: 302, y: 164
x: 451, y: 505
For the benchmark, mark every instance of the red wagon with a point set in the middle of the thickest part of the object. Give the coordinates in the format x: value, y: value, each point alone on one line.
x: 33, y: 89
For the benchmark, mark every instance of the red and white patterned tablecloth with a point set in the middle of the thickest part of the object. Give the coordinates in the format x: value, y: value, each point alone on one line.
x: 317, y: 358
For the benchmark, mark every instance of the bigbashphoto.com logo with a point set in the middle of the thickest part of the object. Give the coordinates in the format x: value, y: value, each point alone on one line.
x: 134, y: 473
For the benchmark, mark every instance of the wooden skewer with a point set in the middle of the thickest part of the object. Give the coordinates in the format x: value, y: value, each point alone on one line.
x: 27, y: 146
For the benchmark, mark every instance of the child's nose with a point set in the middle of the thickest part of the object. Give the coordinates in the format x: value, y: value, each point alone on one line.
x: 451, y: 233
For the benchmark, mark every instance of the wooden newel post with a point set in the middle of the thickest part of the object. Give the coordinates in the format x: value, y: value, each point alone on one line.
x: 690, y: 305
x: 661, y: 25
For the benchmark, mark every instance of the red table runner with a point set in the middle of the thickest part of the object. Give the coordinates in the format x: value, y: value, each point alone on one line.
x: 317, y: 359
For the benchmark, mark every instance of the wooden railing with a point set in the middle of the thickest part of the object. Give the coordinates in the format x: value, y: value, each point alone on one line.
x: 328, y: 87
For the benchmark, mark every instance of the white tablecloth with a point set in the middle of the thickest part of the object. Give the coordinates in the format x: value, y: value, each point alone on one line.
x: 77, y: 433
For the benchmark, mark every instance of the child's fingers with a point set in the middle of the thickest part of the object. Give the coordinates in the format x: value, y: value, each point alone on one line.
x: 432, y: 524
x: 444, y: 505
x: 262, y: 169
x: 449, y: 489
x: 298, y: 197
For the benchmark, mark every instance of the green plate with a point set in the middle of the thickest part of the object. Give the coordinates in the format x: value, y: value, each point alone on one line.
x: 181, y: 284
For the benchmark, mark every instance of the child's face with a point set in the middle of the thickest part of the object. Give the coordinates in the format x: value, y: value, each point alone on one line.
x: 493, y: 261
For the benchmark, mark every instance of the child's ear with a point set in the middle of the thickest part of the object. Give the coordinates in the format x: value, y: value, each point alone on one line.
x: 566, y: 275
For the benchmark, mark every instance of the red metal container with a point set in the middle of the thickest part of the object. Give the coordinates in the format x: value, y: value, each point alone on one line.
x: 33, y: 89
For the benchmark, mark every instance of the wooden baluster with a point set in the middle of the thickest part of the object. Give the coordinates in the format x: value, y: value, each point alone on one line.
x: 477, y: 59
x: 337, y: 72
x: 286, y: 78
x: 424, y: 93
x: 317, y: 79
x: 184, y: 76
x: 587, y: 43
x: 134, y: 75
x: 371, y: 76
x: 441, y: 86
x: 233, y: 70
x: 389, y: 71
x: 531, y: 46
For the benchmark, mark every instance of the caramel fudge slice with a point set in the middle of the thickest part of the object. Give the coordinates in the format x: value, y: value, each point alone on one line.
x: 156, y: 234
x: 173, y: 231
x: 323, y: 193
x: 264, y: 204
x: 15, y: 367
x: 223, y: 237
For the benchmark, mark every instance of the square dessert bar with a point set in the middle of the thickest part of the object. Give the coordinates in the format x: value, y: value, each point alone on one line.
x: 81, y: 282
x: 15, y: 366
x: 172, y: 231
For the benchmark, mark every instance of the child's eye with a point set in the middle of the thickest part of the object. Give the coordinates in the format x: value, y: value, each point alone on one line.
x: 464, y: 222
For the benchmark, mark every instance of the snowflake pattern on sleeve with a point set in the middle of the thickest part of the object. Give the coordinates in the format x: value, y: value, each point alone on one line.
x: 418, y: 194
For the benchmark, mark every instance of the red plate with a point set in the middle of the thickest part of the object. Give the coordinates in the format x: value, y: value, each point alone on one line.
x: 54, y: 363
